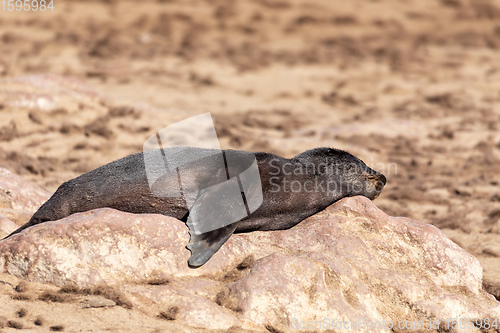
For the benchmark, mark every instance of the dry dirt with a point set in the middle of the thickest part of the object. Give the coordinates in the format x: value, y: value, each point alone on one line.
x: 411, y: 87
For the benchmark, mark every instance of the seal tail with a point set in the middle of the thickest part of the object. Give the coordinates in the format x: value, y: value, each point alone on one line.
x: 51, y: 210
x: 33, y: 221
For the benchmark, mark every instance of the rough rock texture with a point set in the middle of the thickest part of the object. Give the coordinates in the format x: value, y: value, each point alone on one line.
x: 347, y: 263
x: 105, y: 244
x: 486, y: 248
x: 19, y: 199
x: 6, y: 226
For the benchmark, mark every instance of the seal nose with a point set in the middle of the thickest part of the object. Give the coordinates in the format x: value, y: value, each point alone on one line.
x: 382, y: 178
x: 378, y: 180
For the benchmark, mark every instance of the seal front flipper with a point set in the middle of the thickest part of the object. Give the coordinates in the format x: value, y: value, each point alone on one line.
x: 214, y: 215
x: 203, y: 246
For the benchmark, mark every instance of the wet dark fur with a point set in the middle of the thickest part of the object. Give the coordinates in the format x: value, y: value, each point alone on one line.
x: 123, y: 185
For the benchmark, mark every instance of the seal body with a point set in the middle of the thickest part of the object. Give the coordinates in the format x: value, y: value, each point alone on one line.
x: 292, y: 190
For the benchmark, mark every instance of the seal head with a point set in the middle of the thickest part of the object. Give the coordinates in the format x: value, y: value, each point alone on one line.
x: 354, y: 176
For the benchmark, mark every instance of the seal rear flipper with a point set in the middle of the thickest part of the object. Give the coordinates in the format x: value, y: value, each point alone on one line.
x: 17, y: 231
x: 204, y: 246
x: 34, y: 221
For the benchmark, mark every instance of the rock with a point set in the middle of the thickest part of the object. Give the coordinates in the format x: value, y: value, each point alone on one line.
x: 103, y: 246
x: 352, y: 261
x: 350, y: 264
x: 6, y: 226
x: 486, y: 248
x: 196, y: 310
x: 95, y: 301
x: 19, y: 199
x: 47, y: 92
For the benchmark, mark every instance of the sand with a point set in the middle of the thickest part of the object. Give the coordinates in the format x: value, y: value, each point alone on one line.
x: 412, y: 88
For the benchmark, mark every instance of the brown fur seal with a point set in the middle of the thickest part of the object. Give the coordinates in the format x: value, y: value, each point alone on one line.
x: 292, y: 190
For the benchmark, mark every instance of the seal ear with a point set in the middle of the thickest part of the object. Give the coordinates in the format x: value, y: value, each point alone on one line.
x: 204, y: 246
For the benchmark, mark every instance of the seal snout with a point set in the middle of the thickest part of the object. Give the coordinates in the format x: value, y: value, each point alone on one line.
x: 379, y: 180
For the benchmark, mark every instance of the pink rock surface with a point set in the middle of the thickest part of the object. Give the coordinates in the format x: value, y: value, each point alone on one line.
x: 99, y: 246
x: 352, y: 261
x: 6, y: 226
x: 19, y: 199
x: 348, y: 263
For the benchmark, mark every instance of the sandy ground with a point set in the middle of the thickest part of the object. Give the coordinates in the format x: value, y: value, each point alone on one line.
x: 412, y: 88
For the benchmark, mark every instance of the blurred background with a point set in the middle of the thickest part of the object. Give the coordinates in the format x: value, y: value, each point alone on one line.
x: 411, y: 87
